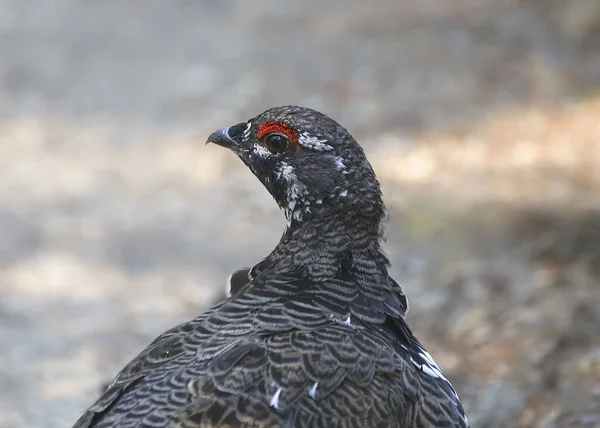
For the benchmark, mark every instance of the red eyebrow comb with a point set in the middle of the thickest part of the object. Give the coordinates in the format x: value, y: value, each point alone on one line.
x: 278, y: 128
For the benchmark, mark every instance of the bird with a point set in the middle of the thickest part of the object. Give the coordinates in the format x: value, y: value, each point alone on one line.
x: 313, y: 335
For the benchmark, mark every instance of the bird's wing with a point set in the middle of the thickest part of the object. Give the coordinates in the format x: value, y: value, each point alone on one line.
x: 436, y: 401
x: 257, y: 360
x: 236, y: 281
x: 169, y: 350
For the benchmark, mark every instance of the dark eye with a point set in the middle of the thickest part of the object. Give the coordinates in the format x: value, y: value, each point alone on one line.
x: 276, y: 143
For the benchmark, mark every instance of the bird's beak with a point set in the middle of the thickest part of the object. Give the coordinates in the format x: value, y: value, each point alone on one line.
x: 230, y: 138
x: 221, y: 138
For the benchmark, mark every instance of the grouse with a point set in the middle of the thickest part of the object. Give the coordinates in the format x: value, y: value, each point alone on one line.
x: 312, y: 336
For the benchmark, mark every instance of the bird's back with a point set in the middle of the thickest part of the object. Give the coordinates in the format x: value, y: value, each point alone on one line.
x: 274, y: 356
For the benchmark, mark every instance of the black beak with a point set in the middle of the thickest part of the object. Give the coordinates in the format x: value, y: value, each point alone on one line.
x: 229, y: 138
x: 221, y: 138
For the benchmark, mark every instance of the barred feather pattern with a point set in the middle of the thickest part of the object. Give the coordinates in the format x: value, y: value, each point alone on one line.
x: 274, y: 355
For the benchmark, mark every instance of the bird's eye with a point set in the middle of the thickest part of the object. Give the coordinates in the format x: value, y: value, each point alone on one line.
x: 276, y: 143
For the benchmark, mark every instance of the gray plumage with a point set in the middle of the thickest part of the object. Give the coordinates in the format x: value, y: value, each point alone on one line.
x: 313, y: 335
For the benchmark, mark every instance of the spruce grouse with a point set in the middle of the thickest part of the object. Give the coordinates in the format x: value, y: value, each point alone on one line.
x: 314, y: 335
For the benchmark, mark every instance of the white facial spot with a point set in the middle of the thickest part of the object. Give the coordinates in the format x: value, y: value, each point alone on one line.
x: 275, y: 399
x: 348, y: 321
x: 339, y: 162
x: 314, y: 143
x: 295, y: 191
x: 246, y: 133
x: 312, y: 392
x: 262, y: 151
x: 344, y: 193
x: 286, y: 172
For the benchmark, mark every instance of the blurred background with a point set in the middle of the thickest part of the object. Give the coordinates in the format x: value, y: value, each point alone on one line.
x: 481, y: 118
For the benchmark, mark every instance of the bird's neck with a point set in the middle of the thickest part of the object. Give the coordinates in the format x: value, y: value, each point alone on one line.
x: 327, y: 240
x: 340, y: 251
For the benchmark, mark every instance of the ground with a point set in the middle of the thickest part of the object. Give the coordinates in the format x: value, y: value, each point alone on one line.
x: 479, y: 116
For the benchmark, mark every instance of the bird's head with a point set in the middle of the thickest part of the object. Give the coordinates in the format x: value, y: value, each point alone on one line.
x: 309, y: 163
